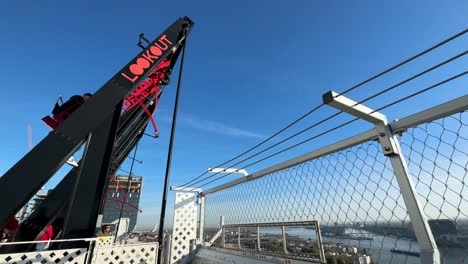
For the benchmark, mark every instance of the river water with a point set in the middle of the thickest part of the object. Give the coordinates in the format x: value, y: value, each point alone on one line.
x: 379, y: 247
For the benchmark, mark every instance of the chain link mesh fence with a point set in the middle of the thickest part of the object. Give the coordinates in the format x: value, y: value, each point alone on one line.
x: 437, y: 156
x: 356, y: 198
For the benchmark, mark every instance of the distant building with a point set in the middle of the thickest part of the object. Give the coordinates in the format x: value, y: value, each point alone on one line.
x: 442, y: 227
x: 123, y: 194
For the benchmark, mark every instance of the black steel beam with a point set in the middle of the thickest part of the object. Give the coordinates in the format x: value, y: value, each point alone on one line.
x: 85, y: 202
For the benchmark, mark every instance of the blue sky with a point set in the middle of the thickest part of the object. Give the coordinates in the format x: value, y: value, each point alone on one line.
x: 251, y: 68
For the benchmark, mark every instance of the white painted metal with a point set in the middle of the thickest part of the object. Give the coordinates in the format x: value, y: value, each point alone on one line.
x: 131, y: 253
x: 351, y: 107
x: 218, y: 234
x: 75, y: 255
x: 123, y: 226
x: 385, y: 133
x: 167, y: 249
x: 201, y: 219
x: 319, y: 240
x: 391, y: 148
x: 103, y: 252
x: 185, y: 189
x: 223, y: 232
x: 446, y: 109
x: 274, y: 224
x: 285, y: 245
x: 213, y: 239
x: 259, y: 247
x: 228, y: 170
x: 55, y: 241
x: 185, y: 225
x: 424, y: 236
x: 238, y: 238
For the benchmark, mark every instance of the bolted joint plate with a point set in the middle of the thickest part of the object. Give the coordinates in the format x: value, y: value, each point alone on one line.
x: 386, y: 138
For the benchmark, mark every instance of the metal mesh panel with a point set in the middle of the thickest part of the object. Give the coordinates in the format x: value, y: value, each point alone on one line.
x: 437, y: 158
x: 352, y: 193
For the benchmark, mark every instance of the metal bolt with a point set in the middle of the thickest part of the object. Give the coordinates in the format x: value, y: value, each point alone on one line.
x: 386, y: 148
x: 382, y: 134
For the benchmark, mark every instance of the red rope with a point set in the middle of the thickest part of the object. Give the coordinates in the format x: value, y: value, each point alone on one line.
x: 150, y: 115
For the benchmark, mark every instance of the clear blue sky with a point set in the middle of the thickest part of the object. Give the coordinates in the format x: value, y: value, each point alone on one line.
x: 251, y: 68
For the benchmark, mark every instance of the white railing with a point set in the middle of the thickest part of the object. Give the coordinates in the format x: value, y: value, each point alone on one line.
x: 99, y: 250
x: 275, y: 239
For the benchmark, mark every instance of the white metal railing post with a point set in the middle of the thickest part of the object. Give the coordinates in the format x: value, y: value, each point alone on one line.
x: 223, y: 232
x: 258, y: 239
x: 238, y: 238
x: 285, y: 246
x: 391, y: 149
x: 201, y: 222
x: 319, y: 241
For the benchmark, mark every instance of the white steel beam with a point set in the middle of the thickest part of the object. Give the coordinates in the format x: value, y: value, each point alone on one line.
x: 201, y: 224
x: 391, y: 148
x: 353, y: 108
x: 446, y: 109
x: 185, y: 189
